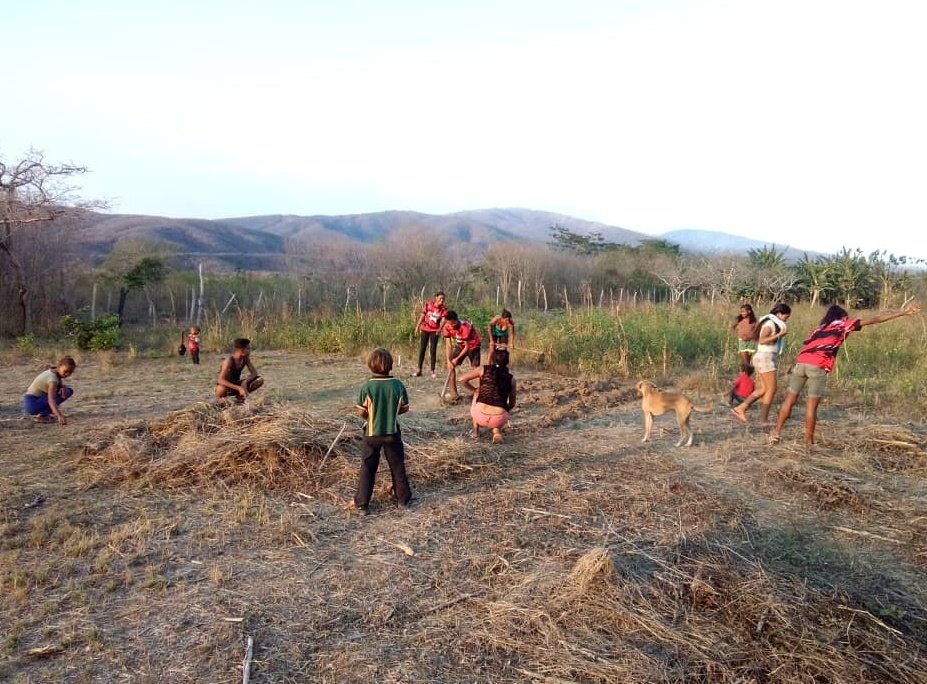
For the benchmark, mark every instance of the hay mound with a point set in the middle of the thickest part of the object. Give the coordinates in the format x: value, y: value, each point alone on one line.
x: 267, y: 445
x: 708, y: 614
x: 209, y: 443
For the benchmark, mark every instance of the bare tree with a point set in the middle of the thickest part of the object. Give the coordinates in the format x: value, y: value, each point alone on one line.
x: 33, y: 192
x: 679, y: 274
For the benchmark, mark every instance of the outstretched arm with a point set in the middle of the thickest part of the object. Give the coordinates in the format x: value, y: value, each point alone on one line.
x: 472, y: 374
x: 911, y: 310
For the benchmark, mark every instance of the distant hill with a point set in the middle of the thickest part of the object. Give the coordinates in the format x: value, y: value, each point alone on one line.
x: 216, y: 242
x: 530, y: 224
x: 713, y: 242
x: 376, y: 226
x: 260, y: 242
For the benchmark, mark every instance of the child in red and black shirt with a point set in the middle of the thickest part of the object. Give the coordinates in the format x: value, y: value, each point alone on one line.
x: 429, y: 324
x: 461, y: 341
x: 816, y: 360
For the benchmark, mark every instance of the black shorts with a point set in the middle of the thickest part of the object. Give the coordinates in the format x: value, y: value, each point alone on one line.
x: 473, y: 356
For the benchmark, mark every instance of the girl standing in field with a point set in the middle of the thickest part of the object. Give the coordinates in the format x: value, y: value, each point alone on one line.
x: 48, y: 391
x: 769, y: 345
x: 429, y: 324
x: 494, y: 395
x: 502, y: 331
x: 745, y: 325
x: 816, y: 360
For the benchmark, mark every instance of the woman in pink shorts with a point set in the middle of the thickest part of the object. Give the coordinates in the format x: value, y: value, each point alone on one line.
x: 493, y: 395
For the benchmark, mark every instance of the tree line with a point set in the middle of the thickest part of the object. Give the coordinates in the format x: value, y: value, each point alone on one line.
x: 41, y: 279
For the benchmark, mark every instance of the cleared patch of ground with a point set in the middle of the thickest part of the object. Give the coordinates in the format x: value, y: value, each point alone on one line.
x: 147, y: 540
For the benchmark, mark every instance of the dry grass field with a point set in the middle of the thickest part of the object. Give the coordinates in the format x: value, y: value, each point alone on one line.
x: 151, y: 537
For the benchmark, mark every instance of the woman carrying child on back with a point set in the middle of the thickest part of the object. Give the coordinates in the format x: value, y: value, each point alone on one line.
x: 493, y: 396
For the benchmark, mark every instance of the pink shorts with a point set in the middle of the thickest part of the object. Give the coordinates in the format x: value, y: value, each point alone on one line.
x: 487, y: 420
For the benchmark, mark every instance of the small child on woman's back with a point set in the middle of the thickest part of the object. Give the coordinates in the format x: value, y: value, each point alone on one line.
x: 381, y: 400
x: 743, y: 386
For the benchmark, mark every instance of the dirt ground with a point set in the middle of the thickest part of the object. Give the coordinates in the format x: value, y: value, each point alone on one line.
x: 727, y: 561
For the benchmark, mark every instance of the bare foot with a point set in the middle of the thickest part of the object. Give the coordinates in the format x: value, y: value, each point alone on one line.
x: 739, y: 416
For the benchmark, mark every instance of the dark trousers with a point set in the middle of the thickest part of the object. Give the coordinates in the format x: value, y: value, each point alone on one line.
x: 735, y: 399
x: 428, y: 338
x: 195, y: 356
x: 392, y: 448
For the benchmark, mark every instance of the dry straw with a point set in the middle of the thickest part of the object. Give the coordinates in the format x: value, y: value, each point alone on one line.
x: 708, y: 615
x: 266, y: 445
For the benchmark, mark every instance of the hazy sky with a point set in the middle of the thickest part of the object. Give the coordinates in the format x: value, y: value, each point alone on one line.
x: 799, y: 122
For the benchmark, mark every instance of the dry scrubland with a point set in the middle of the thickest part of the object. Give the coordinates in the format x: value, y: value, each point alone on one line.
x: 149, y: 539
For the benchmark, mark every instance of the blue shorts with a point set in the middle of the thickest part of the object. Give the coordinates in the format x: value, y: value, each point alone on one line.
x: 38, y: 406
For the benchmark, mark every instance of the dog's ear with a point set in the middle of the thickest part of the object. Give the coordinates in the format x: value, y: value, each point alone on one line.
x: 640, y: 386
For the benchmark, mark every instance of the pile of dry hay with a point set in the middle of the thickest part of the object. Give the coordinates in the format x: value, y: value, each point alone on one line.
x: 268, y: 445
x: 709, y: 615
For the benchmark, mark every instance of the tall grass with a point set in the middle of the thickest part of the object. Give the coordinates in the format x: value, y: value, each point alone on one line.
x: 883, y: 364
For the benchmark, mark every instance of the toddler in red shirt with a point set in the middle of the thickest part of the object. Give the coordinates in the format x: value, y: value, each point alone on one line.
x: 743, y: 386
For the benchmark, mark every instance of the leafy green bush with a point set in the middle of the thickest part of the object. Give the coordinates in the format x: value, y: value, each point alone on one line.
x: 98, y: 335
x: 26, y: 343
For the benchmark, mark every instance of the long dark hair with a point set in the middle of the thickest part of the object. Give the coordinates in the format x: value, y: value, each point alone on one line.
x: 750, y: 315
x: 497, y: 375
x: 781, y: 308
x: 833, y: 313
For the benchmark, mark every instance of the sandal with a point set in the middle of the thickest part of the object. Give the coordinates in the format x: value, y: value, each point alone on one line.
x: 774, y: 439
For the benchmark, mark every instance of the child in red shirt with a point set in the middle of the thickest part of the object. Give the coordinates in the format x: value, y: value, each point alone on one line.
x: 193, y: 344
x: 743, y: 386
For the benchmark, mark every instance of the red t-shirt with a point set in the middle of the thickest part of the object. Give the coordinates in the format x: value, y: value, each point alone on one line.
x: 743, y: 386
x: 465, y: 334
x: 821, y: 346
x: 193, y: 342
x: 433, y: 314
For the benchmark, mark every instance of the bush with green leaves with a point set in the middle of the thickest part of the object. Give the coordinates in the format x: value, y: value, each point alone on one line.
x: 97, y: 335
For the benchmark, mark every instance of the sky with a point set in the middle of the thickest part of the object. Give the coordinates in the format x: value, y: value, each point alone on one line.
x: 802, y: 123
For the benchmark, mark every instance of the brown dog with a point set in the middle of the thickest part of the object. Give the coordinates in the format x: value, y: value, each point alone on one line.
x: 656, y: 402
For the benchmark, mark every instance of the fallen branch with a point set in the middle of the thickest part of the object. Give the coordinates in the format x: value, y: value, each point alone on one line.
x: 540, y: 512
x: 246, y: 666
x: 334, y: 442
x: 871, y: 617
x: 862, y: 533
x: 452, y: 602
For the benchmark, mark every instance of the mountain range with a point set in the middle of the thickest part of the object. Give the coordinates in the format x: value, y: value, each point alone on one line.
x: 261, y: 242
